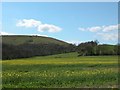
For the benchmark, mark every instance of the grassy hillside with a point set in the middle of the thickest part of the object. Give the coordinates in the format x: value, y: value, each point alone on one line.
x: 61, y: 71
x: 110, y: 47
x: 15, y: 46
x: 106, y: 49
x: 21, y: 39
x: 21, y: 46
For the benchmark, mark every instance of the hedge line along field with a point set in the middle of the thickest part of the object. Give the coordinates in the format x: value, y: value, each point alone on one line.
x: 61, y: 71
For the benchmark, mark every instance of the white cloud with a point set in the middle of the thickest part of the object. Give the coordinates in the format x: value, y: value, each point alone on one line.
x: 28, y: 23
x: 0, y: 26
x: 76, y: 42
x: 5, y: 33
x: 50, y: 28
x: 119, y: 35
x: 73, y: 42
x: 108, y: 36
x: 39, y: 25
x: 91, y: 29
x: 101, y: 28
x: 110, y: 28
x: 107, y: 33
x: 36, y: 35
x: 94, y: 29
x: 82, y: 29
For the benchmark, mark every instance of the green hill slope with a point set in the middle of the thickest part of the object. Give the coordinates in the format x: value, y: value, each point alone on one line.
x: 14, y: 46
x: 106, y: 49
x: 21, y: 39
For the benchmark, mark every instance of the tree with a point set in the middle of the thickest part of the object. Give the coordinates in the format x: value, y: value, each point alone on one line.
x: 31, y: 49
x: 87, y: 48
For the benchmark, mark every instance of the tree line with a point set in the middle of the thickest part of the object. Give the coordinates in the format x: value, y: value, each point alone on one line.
x: 92, y: 48
x: 26, y: 50
x: 29, y: 50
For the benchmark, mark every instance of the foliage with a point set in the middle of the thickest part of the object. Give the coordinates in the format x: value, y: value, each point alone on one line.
x: 93, y: 48
x: 30, y: 50
x: 87, y: 48
x: 61, y: 71
x: 29, y: 46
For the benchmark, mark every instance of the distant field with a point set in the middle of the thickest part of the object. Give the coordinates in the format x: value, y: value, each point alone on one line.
x: 61, y: 71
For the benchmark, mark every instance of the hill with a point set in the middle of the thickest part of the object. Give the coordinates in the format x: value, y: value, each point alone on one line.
x: 106, y: 49
x: 21, y: 46
x: 22, y: 39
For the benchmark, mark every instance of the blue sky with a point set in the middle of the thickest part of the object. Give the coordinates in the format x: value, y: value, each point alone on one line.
x: 71, y: 22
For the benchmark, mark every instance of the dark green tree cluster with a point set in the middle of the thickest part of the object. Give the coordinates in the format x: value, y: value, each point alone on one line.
x: 87, y: 48
x: 92, y: 48
x: 29, y: 50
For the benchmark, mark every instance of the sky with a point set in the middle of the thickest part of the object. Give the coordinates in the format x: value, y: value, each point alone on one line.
x: 73, y: 22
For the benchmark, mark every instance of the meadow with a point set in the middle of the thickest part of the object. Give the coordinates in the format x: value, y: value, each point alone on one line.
x: 61, y: 71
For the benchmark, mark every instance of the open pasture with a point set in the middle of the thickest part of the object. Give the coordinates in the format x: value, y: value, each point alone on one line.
x: 61, y: 71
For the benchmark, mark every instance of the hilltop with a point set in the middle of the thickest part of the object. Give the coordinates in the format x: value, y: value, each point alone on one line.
x: 22, y: 39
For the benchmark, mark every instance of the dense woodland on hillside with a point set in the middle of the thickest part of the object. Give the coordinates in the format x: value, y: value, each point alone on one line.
x: 92, y: 48
x: 36, y: 46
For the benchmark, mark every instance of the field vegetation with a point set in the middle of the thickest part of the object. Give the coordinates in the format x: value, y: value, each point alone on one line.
x: 44, y: 62
x: 61, y: 71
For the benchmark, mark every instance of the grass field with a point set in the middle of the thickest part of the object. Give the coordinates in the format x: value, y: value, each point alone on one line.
x: 61, y: 71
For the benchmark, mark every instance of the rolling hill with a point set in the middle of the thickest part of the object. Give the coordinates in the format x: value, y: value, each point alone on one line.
x: 21, y: 46
x: 22, y: 39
